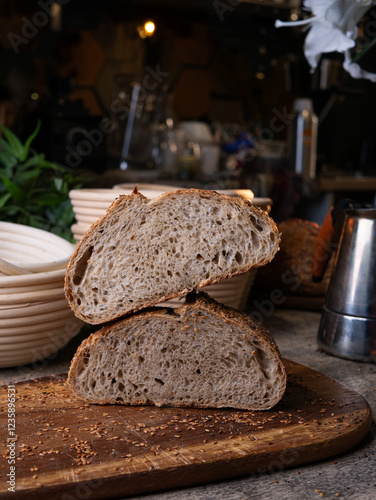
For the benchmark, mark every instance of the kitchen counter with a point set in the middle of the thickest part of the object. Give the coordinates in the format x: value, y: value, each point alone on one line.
x: 351, y: 475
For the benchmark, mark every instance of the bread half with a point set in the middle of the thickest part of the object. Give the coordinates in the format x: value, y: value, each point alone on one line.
x: 200, y: 355
x: 143, y: 252
x: 291, y: 270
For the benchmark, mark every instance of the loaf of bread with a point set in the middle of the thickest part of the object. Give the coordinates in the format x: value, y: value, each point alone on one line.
x: 291, y: 269
x: 202, y: 355
x: 143, y: 252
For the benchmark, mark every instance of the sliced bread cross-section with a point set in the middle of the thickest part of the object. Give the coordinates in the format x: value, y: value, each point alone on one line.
x: 202, y: 354
x: 143, y: 252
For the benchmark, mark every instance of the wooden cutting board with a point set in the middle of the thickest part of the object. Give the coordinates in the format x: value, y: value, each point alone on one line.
x: 68, y: 449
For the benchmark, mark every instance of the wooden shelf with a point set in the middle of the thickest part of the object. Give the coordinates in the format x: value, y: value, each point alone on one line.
x: 347, y: 183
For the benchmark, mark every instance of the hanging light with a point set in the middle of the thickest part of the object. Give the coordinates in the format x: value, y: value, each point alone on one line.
x: 147, y: 29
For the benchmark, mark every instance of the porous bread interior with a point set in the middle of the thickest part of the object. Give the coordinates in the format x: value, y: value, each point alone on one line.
x: 147, y: 251
x: 194, y: 359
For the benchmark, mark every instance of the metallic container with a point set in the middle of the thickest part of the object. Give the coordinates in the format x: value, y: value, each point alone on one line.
x: 348, y: 322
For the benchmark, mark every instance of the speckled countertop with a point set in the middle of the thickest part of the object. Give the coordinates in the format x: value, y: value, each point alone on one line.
x: 351, y: 475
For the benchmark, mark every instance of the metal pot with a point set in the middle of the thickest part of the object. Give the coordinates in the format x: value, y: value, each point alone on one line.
x: 348, y: 321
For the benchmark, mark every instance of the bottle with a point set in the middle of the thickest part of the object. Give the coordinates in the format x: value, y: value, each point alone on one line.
x: 304, y: 139
x: 189, y: 161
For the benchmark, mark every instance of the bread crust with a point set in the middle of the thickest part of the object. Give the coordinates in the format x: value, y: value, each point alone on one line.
x: 291, y: 269
x: 197, y: 301
x: 136, y: 197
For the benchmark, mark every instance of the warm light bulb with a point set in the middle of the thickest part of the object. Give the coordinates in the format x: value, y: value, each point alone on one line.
x: 149, y: 27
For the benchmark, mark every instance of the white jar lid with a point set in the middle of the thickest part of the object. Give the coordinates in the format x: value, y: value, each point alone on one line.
x: 301, y: 104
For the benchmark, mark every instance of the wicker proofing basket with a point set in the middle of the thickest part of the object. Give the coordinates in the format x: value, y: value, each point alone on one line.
x: 35, y: 318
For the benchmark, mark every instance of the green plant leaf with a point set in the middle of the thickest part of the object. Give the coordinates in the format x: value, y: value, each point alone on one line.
x: 14, y: 142
x: 11, y: 211
x: 33, y: 190
x: 4, y: 199
x: 31, y: 162
x: 38, y: 221
x: 8, y: 160
x: 13, y: 189
x: 48, y: 199
x: 6, y: 147
x: 29, y: 140
x: 22, y: 178
x: 53, y: 166
x: 58, y: 183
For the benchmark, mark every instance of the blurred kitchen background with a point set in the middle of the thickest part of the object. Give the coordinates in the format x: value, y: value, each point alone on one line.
x: 203, y: 95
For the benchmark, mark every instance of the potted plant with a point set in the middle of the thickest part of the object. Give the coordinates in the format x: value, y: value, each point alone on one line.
x: 33, y: 190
